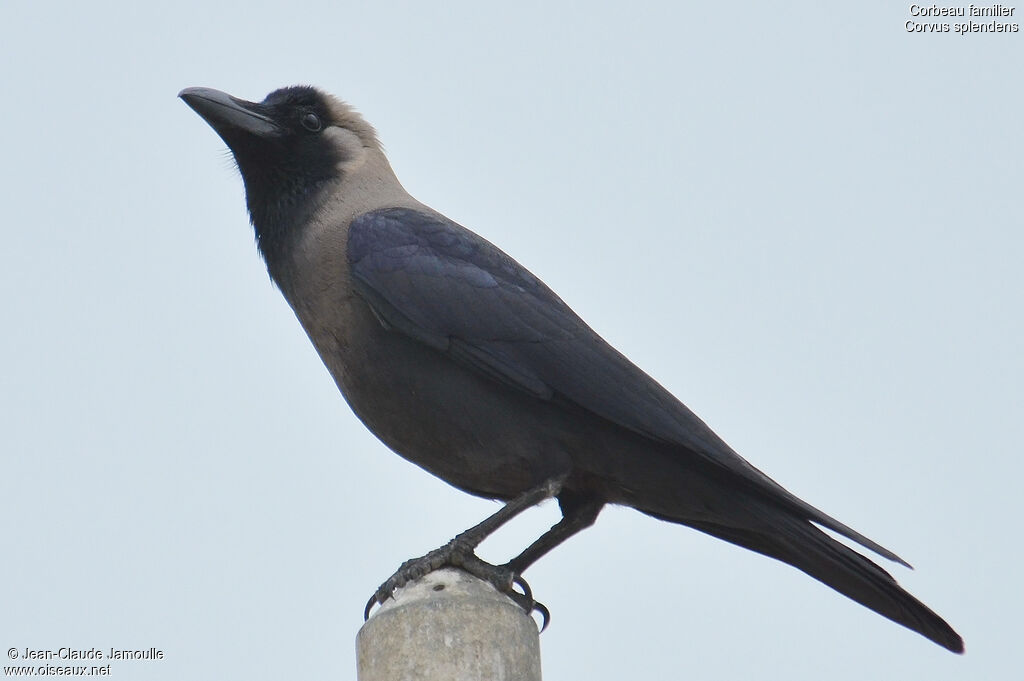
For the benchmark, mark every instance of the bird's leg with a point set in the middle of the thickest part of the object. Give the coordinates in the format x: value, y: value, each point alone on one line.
x: 459, y: 552
x: 576, y: 515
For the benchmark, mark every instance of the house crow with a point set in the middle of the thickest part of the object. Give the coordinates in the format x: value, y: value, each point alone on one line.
x: 464, y: 363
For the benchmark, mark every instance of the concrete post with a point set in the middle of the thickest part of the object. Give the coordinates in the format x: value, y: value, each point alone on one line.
x: 448, y: 626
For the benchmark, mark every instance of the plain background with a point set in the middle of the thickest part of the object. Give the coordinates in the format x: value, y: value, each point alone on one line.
x: 803, y: 220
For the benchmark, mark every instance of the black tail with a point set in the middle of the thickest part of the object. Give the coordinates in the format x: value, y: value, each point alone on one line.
x: 797, y: 542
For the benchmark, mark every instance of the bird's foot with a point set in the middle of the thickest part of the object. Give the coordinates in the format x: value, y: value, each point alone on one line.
x: 459, y: 554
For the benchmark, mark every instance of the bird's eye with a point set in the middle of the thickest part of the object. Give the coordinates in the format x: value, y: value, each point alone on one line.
x: 310, y: 121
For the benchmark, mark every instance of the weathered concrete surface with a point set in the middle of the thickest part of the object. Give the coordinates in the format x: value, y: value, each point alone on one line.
x: 448, y: 626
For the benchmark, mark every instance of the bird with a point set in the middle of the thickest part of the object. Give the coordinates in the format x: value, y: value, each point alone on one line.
x: 464, y: 363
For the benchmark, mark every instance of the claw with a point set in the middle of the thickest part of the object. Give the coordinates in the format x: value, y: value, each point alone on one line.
x: 527, y: 591
x: 523, y: 599
x: 369, y: 606
x: 544, y: 613
x: 461, y: 556
x: 526, y: 602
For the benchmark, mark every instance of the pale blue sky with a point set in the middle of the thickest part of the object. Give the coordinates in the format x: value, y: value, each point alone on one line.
x: 802, y: 220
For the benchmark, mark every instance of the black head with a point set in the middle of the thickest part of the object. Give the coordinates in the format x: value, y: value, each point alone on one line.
x: 288, y: 148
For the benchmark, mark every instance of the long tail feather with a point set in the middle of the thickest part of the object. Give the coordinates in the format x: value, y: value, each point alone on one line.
x: 802, y: 545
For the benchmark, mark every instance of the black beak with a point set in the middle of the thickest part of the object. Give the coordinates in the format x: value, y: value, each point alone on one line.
x: 229, y: 115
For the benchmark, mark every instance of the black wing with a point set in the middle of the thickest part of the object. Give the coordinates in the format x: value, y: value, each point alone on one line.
x: 437, y: 282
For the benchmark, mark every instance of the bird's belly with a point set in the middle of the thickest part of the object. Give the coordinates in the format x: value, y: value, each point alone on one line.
x: 478, y: 435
